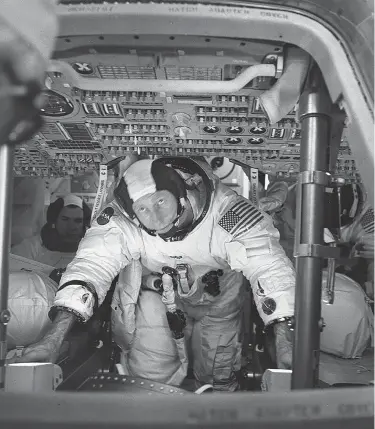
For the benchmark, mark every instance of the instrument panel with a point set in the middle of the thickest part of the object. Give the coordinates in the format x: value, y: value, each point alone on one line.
x: 85, y: 128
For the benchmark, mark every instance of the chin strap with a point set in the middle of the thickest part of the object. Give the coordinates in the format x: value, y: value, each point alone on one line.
x: 181, y: 210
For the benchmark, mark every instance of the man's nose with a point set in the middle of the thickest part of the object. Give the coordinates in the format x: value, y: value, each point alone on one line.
x: 73, y: 226
x: 158, y: 217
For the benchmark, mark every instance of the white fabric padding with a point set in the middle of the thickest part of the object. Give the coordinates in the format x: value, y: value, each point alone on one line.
x: 155, y: 355
x: 30, y: 298
x: 349, y: 320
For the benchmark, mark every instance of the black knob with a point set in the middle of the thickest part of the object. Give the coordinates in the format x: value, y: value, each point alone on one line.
x: 169, y: 270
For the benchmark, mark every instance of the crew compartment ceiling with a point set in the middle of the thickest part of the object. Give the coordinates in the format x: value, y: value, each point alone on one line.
x: 83, y: 129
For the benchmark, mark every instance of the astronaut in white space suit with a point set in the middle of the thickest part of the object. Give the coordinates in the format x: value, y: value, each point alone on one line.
x: 173, y: 215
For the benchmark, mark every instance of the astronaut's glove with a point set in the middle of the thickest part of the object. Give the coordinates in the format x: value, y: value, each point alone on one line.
x: 177, y: 323
x: 284, y: 344
x: 275, y: 197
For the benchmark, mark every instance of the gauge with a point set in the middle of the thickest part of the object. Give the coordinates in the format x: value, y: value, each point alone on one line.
x: 56, y: 104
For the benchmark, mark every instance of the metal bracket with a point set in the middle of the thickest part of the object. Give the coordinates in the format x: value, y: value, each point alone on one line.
x: 278, y: 61
x: 317, y: 177
x: 316, y: 251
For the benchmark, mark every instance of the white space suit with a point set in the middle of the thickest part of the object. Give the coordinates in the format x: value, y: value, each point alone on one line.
x: 232, y: 235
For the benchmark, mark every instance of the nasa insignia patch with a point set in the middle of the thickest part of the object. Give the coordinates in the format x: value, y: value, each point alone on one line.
x: 105, y: 216
x: 268, y: 306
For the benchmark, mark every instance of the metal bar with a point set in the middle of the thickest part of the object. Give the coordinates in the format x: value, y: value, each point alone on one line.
x: 158, y: 85
x: 6, y: 197
x: 314, y: 107
x: 329, y: 291
x: 8, y: 121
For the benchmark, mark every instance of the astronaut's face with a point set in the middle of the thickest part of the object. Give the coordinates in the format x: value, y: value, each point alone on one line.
x: 69, y: 224
x: 157, y: 211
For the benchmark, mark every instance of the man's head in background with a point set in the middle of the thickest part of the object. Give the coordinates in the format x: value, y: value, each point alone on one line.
x: 67, y: 220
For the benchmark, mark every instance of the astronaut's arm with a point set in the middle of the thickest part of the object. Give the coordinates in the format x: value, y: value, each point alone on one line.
x: 48, y: 348
x: 252, y: 246
x: 101, y: 255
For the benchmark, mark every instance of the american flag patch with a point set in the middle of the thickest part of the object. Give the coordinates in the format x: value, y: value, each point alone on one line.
x: 241, y: 217
x: 367, y: 221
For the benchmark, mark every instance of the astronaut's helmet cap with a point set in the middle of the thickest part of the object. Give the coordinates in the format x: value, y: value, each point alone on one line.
x: 146, y: 177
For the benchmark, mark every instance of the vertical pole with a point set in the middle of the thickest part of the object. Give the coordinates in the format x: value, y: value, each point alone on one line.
x: 9, y: 113
x: 314, y: 108
x: 6, y: 197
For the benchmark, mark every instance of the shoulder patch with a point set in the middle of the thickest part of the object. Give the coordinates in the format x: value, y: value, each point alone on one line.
x: 242, y: 216
x: 105, y: 216
x: 367, y: 221
x: 268, y: 306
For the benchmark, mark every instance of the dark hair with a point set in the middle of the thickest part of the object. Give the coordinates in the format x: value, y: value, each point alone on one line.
x: 55, y: 208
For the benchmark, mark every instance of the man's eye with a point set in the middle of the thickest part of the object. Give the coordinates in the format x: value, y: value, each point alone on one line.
x: 141, y: 209
x: 161, y: 201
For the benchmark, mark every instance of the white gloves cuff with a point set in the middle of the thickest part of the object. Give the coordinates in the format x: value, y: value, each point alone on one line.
x: 77, y: 298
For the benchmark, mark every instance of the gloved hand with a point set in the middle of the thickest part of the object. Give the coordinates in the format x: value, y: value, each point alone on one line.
x: 275, y: 197
x: 48, y: 348
x: 43, y: 351
x: 177, y: 323
x: 284, y: 345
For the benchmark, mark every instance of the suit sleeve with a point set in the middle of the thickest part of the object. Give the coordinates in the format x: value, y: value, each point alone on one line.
x: 103, y: 252
x: 250, y: 244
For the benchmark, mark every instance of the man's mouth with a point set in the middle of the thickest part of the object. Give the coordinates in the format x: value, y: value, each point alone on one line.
x: 72, y: 237
x: 165, y: 229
